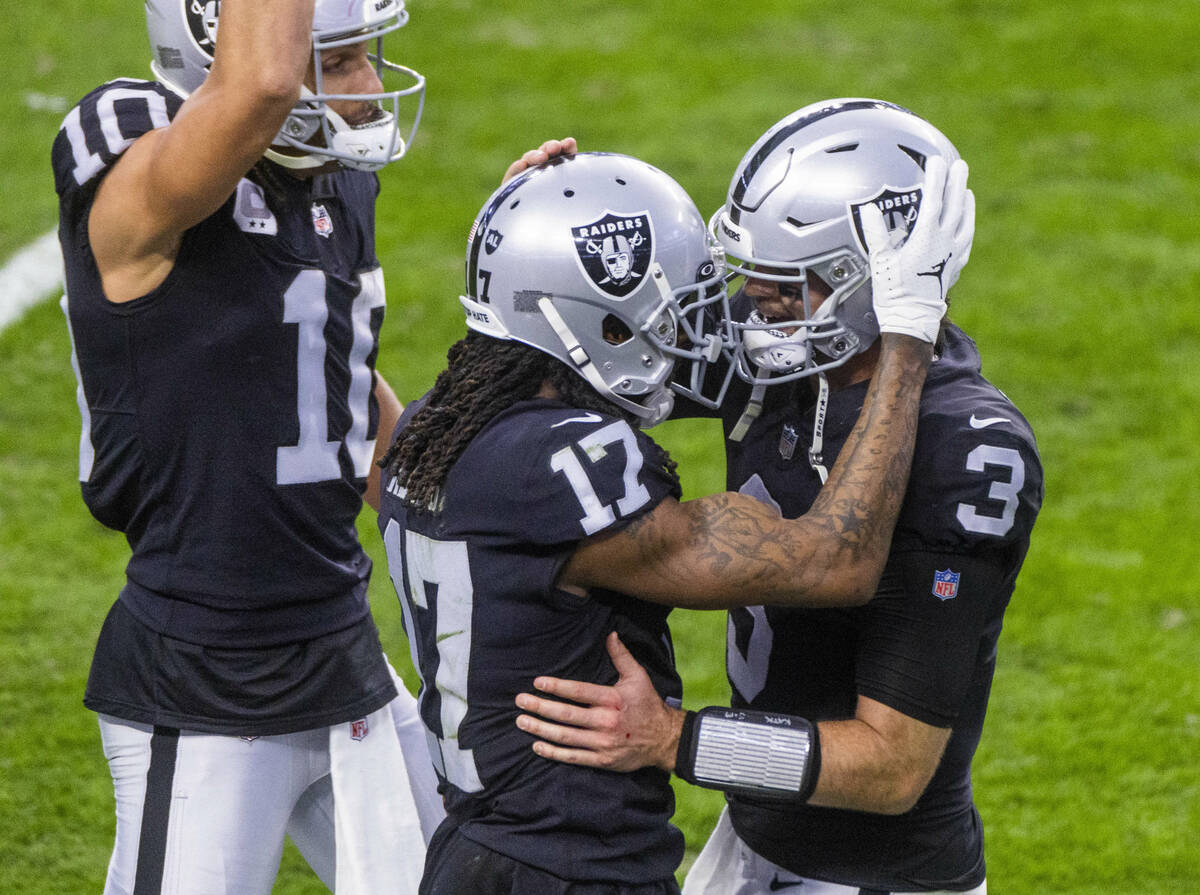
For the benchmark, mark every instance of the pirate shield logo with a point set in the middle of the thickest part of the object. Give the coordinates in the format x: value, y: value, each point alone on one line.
x: 615, y: 251
x: 202, y: 22
x: 899, y: 207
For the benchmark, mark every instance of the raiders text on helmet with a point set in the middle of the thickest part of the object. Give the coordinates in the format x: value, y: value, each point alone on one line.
x: 183, y: 34
x: 793, y: 212
x: 603, y: 262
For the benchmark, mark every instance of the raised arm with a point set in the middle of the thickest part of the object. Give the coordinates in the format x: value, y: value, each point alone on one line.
x: 732, y: 550
x: 173, y: 177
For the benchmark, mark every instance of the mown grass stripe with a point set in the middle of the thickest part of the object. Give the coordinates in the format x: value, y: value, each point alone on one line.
x: 30, y: 276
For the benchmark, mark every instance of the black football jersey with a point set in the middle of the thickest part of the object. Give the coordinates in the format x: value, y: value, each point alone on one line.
x: 484, y: 618
x: 925, y: 645
x: 229, y: 415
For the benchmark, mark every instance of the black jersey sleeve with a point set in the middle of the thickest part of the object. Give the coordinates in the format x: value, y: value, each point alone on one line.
x: 933, y: 621
x: 100, y: 128
x: 976, y: 482
x: 567, y: 475
x: 975, y: 491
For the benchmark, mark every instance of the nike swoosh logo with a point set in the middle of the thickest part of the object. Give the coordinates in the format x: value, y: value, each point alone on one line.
x: 586, y: 418
x: 977, y: 423
x: 776, y: 883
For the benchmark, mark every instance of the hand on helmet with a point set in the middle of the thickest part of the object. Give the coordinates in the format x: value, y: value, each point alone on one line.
x: 541, y: 155
x: 909, y: 278
x: 965, y: 232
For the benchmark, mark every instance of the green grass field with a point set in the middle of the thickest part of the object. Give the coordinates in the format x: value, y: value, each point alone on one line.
x: 1081, y: 127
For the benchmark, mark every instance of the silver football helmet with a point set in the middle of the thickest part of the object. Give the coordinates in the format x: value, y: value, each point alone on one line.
x: 604, y: 262
x: 183, y: 34
x: 793, y: 213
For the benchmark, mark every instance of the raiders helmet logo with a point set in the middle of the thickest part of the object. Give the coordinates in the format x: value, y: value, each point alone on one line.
x: 491, y: 240
x: 202, y: 22
x: 899, y: 207
x: 615, y: 251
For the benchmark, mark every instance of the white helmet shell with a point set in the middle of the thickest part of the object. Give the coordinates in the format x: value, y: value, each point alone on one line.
x: 183, y: 35
x: 792, y: 212
x: 604, y: 262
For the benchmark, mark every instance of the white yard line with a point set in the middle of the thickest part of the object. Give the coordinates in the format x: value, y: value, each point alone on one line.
x: 32, y: 274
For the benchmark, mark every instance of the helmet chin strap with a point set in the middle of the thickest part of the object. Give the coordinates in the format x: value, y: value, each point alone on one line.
x: 815, y: 460
x: 753, y: 407
x: 294, y: 134
x: 649, y: 416
x: 354, y: 144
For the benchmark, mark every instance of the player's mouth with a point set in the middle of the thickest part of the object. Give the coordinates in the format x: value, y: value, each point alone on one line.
x: 758, y: 318
x: 769, y: 304
x: 770, y: 310
x: 367, y: 114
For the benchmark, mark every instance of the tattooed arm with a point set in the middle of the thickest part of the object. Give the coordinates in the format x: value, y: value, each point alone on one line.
x: 732, y: 550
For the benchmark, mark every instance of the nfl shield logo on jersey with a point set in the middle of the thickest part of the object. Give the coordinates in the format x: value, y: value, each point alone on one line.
x: 358, y: 729
x: 322, y: 222
x: 945, y: 584
x: 615, y: 251
x: 787, y: 441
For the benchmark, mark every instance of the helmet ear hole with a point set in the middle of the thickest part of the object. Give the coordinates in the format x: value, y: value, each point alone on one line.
x: 616, y: 332
x: 817, y: 287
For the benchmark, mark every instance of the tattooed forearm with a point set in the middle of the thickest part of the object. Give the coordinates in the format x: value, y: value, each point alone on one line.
x: 836, y: 552
x: 732, y: 540
x: 731, y: 530
x: 732, y: 550
x: 862, y: 498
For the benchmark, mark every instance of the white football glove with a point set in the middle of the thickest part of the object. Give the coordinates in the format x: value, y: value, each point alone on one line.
x: 965, y: 232
x: 910, y: 277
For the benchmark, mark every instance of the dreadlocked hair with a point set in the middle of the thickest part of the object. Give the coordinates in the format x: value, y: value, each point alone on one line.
x: 484, y: 376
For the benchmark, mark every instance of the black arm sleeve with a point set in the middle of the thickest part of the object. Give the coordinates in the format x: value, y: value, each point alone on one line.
x: 935, y: 619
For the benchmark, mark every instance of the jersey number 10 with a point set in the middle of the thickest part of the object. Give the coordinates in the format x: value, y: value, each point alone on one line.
x: 314, y: 458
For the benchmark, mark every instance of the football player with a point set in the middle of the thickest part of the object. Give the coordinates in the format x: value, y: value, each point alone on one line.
x: 225, y: 300
x: 891, y: 694
x: 526, y: 517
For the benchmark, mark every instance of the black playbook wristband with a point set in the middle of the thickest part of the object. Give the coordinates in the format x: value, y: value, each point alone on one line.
x: 685, y: 754
x: 759, y: 754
